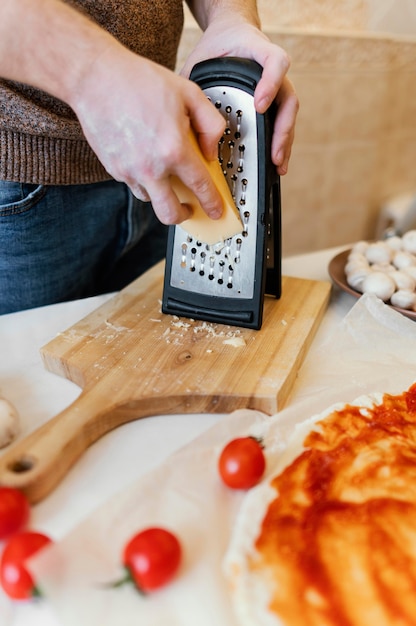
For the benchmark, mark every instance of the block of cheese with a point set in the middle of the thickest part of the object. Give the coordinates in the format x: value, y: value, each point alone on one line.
x: 200, y: 226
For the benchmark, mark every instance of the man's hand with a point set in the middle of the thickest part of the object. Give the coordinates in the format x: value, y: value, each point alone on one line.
x: 230, y: 36
x: 136, y: 115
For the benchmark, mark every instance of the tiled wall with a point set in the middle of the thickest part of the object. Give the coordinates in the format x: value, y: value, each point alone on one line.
x: 389, y: 16
x: 355, y: 140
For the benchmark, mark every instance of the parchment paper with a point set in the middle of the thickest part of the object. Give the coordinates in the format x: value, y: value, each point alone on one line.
x: 373, y: 350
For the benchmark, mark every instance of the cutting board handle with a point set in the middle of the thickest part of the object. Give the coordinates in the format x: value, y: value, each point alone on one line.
x: 131, y: 362
x: 37, y: 463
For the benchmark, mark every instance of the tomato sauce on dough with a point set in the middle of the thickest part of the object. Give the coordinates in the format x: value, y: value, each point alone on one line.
x: 338, y: 543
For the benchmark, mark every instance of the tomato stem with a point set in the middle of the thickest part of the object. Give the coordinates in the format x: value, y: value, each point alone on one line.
x: 126, y: 579
x: 259, y: 440
x: 36, y: 592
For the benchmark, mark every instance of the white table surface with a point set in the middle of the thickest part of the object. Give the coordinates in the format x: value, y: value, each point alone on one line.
x: 124, y: 454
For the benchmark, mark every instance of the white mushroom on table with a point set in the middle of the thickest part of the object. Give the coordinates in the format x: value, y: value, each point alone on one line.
x: 9, y: 422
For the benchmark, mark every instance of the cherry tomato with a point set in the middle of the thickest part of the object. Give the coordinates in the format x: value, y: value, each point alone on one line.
x: 14, y: 511
x: 242, y: 463
x: 15, y: 579
x: 152, y: 558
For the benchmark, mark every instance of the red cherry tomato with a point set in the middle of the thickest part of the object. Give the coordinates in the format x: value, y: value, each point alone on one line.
x: 15, y: 579
x: 152, y: 558
x: 14, y: 511
x: 242, y: 463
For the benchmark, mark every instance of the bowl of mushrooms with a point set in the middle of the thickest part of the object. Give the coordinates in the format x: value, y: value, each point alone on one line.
x: 385, y: 268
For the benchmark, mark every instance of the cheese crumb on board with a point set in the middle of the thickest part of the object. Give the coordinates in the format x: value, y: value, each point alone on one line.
x: 179, y: 328
x: 236, y: 342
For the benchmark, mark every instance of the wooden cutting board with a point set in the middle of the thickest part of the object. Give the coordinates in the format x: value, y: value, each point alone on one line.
x: 132, y: 361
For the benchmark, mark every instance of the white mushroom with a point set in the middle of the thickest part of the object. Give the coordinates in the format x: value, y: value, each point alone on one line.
x: 355, y: 278
x: 404, y: 299
x: 360, y: 247
x: 9, y: 422
x: 355, y: 264
x: 410, y: 270
x: 409, y: 241
x: 383, y: 267
x: 379, y: 252
x: 395, y: 243
x: 379, y: 284
x: 403, y: 259
x: 403, y: 280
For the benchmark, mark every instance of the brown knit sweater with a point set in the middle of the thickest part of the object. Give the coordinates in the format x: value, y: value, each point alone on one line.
x: 41, y: 141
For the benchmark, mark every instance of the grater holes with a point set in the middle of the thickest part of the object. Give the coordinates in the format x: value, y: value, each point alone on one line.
x: 225, y: 266
x: 184, y: 251
x: 246, y: 218
x: 193, y: 256
x: 240, y: 166
x: 230, y: 277
x: 234, y: 179
x: 202, y: 264
x: 239, y: 115
x: 221, y: 272
x: 211, y: 268
x: 243, y: 192
x: 231, y: 145
x: 238, y: 244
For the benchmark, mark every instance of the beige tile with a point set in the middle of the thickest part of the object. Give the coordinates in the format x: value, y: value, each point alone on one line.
x: 351, y: 173
x: 359, y: 105
x: 316, y: 92
x: 405, y: 99
x: 308, y: 51
x: 304, y: 190
x: 365, y: 52
x: 344, y: 223
x: 350, y: 14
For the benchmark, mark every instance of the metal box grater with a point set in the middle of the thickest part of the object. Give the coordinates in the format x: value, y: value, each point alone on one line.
x: 226, y: 282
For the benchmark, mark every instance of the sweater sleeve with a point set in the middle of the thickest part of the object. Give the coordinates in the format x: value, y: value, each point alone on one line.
x: 41, y: 141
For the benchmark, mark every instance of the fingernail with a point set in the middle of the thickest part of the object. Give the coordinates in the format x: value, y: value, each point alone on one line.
x: 262, y: 105
x: 282, y: 169
x: 215, y: 214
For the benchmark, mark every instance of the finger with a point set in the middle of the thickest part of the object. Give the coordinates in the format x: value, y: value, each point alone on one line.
x: 196, y: 174
x: 140, y: 192
x: 275, y: 68
x: 165, y: 203
x: 208, y: 124
x: 187, y: 164
x: 284, y: 128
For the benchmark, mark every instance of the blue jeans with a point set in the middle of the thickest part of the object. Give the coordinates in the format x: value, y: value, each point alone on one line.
x: 61, y: 243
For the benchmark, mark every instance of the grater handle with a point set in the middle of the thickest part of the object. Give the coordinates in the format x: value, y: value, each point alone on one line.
x: 245, y: 73
x: 274, y: 243
x: 221, y: 284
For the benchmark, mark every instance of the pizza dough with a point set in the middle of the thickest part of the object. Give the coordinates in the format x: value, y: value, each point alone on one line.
x: 331, y: 538
x: 9, y: 422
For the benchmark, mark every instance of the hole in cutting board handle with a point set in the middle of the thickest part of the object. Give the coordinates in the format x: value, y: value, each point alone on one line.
x: 24, y: 464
